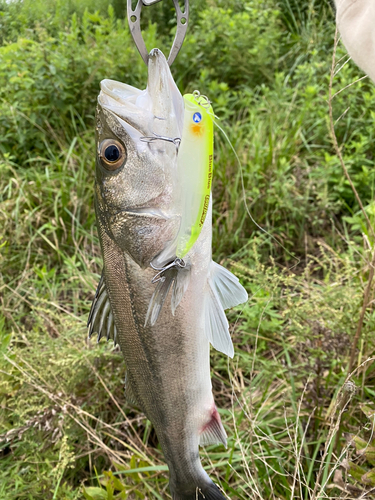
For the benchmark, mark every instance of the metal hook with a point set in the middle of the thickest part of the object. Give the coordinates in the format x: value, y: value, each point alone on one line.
x: 176, y: 140
x: 134, y: 20
x: 201, y: 99
x: 177, y: 262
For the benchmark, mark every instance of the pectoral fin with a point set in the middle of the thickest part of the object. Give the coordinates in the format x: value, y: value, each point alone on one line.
x: 227, y: 286
x: 101, y: 319
x: 216, y: 323
x: 224, y: 291
x: 179, y: 277
x: 160, y: 294
x: 180, y: 286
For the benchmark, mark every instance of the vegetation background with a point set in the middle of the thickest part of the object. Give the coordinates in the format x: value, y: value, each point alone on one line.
x: 299, y: 415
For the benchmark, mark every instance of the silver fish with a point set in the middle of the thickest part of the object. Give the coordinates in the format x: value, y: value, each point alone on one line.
x: 168, y: 357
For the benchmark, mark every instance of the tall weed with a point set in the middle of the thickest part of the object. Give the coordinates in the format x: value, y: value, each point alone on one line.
x: 288, y: 406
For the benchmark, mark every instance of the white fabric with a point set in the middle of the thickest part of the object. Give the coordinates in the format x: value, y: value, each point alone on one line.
x: 356, y: 23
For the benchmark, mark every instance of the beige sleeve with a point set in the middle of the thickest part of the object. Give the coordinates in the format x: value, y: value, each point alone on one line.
x: 356, y: 23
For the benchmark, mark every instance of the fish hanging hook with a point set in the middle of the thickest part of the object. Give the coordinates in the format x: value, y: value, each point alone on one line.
x: 134, y: 20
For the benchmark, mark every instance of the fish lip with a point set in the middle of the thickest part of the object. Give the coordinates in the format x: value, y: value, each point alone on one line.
x: 137, y: 127
x: 154, y: 52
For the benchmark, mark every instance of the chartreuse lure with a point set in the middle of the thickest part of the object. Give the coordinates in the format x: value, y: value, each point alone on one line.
x: 194, y: 171
x: 195, y: 168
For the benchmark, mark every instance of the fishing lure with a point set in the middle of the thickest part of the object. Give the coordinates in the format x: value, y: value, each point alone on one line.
x: 195, y: 169
x: 193, y: 183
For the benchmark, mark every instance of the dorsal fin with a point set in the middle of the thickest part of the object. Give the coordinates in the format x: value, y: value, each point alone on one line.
x: 101, y: 319
x: 224, y: 291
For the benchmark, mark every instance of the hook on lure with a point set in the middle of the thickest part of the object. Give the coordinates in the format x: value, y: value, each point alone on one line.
x: 134, y: 20
x: 176, y: 140
x: 177, y: 262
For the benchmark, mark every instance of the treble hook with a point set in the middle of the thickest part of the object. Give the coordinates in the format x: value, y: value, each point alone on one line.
x: 177, y: 262
x: 134, y: 20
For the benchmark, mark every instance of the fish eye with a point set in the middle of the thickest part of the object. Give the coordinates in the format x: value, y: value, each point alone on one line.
x: 112, y: 154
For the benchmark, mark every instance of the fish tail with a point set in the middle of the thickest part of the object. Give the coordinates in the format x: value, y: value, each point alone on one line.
x: 208, y: 492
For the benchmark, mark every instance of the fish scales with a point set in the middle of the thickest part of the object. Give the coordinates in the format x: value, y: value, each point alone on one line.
x: 137, y: 207
x: 167, y: 364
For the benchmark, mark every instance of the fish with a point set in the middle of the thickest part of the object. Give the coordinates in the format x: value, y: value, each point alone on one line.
x: 138, y: 211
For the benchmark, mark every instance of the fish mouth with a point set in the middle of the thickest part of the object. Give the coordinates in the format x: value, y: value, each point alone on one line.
x: 165, y: 97
x: 159, y: 109
x: 145, y: 212
x: 130, y: 105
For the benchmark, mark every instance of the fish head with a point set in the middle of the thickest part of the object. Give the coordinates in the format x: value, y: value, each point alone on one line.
x: 137, y: 134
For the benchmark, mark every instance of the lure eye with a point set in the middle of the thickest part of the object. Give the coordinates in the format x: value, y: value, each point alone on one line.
x: 112, y: 154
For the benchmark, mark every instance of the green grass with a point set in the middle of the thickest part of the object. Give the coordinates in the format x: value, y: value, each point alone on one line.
x: 291, y: 414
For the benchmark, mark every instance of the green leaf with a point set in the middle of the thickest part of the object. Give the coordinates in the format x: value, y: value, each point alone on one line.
x: 369, y: 453
x: 112, y: 484
x: 93, y: 493
x: 356, y: 471
x: 358, y: 442
x: 368, y: 411
x: 369, y: 477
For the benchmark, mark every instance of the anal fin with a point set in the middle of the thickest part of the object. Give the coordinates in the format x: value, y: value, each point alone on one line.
x: 213, y: 432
